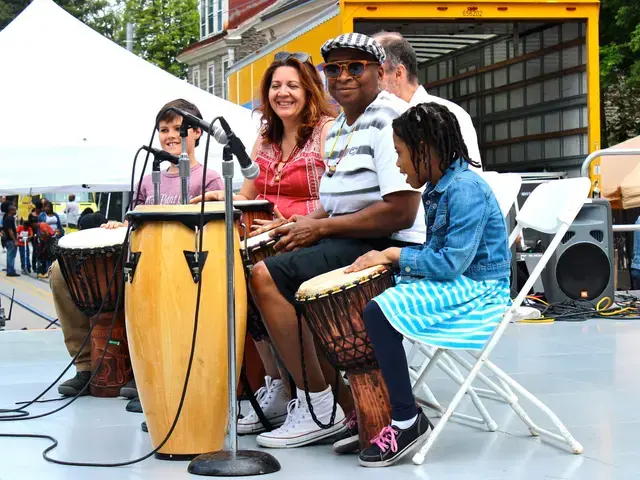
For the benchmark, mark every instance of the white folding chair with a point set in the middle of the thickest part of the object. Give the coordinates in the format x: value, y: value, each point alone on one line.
x: 551, y: 208
x: 505, y: 187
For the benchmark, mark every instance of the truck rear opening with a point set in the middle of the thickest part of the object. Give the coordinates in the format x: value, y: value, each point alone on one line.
x: 524, y: 83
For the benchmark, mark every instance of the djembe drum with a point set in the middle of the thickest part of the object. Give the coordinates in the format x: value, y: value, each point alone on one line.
x: 332, y: 305
x: 160, y: 308
x: 89, y: 262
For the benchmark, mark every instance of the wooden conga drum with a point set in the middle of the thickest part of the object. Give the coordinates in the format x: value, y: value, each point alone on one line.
x: 160, y: 311
x: 88, y: 262
x: 332, y: 305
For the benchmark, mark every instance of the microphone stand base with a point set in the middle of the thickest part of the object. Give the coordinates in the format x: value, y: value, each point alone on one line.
x: 226, y: 464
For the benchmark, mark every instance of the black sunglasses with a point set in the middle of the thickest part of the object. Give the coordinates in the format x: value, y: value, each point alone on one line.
x: 284, y: 56
x: 355, y: 68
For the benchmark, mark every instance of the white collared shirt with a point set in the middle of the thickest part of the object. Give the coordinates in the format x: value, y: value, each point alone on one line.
x: 464, y: 119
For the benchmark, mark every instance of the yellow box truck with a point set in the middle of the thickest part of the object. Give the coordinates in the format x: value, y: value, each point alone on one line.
x: 527, y: 72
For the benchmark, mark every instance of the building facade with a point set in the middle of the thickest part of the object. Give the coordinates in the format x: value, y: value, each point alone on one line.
x: 230, y: 30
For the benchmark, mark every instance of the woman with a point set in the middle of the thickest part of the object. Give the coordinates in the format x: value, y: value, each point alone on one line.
x: 296, y: 116
x: 52, y: 219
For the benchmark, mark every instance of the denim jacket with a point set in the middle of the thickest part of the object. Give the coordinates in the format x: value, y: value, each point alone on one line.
x: 466, y: 232
x: 635, y: 264
x: 43, y: 218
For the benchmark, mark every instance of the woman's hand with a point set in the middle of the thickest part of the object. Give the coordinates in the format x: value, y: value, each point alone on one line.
x: 390, y: 256
x: 112, y: 224
x: 260, y: 223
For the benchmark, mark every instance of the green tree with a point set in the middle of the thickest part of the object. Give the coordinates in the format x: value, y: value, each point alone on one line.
x: 620, y: 68
x: 163, y: 28
x: 100, y: 15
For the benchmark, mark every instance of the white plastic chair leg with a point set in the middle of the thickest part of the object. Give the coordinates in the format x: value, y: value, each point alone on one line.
x: 564, y: 437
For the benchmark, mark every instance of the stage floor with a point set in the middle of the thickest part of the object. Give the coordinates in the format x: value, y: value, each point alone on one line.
x: 587, y: 372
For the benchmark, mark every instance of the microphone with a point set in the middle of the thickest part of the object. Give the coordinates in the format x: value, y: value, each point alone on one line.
x: 195, y: 122
x: 248, y: 167
x: 161, y: 155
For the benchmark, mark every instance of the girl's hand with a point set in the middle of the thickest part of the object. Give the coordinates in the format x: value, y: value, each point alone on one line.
x: 390, y: 256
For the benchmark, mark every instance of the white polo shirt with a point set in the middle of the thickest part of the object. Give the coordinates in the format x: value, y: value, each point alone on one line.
x: 469, y: 134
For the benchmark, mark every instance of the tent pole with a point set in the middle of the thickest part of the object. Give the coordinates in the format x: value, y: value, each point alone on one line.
x: 108, y: 202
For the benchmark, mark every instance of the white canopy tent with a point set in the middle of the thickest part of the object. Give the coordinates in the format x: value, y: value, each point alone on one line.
x: 76, y: 106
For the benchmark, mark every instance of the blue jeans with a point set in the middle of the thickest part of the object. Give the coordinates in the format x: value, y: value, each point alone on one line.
x: 635, y: 278
x: 25, y: 260
x: 11, y: 256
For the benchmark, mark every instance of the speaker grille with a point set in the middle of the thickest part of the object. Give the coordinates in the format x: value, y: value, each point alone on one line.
x: 583, y: 271
x: 568, y: 236
x: 597, y: 234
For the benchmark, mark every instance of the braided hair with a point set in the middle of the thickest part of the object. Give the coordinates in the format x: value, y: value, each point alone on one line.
x: 432, y: 125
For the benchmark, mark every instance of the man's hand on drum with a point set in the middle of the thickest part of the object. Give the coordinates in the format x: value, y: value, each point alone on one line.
x: 390, y: 256
x: 302, y: 231
x: 112, y: 224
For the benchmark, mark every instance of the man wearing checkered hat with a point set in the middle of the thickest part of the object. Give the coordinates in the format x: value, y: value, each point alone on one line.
x: 366, y: 205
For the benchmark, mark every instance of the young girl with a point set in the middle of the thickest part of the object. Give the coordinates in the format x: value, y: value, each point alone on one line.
x: 458, y: 285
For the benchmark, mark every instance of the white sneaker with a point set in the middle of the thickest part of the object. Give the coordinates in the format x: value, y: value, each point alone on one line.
x: 273, y: 400
x: 299, y: 428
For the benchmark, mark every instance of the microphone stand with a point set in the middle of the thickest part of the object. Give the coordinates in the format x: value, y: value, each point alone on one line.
x: 184, y: 165
x: 232, y: 462
x: 156, y: 179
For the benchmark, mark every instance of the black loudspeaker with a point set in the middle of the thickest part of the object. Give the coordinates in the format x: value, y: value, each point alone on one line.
x: 582, y: 266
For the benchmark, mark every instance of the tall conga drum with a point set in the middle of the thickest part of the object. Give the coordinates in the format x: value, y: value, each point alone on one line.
x: 89, y: 263
x: 160, y: 310
x: 332, y: 305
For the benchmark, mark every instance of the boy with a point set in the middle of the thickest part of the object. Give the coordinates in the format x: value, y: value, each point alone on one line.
x: 74, y: 325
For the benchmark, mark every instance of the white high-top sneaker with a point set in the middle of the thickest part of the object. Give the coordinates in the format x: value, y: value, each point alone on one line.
x: 273, y: 400
x: 299, y: 428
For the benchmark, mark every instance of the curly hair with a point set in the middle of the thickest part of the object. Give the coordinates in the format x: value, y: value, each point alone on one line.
x: 317, y: 106
x: 432, y: 125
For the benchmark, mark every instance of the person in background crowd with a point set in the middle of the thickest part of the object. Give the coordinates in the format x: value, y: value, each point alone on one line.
x: 25, y: 234
x: 401, y: 79
x: 35, y: 244
x: 4, y: 208
x: 296, y: 116
x: 86, y: 211
x: 635, y: 263
x: 72, y: 211
x: 47, y: 238
x: 52, y: 219
x: 11, y: 236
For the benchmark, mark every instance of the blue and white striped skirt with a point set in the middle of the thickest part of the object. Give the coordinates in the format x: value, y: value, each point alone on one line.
x: 460, y: 313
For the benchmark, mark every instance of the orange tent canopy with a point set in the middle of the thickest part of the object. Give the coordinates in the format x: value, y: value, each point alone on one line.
x: 621, y: 176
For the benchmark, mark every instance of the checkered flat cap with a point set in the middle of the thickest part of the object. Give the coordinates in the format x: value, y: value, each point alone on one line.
x: 357, y: 41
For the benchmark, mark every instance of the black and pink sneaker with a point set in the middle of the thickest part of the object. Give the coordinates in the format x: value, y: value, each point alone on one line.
x: 349, y: 440
x: 393, y: 443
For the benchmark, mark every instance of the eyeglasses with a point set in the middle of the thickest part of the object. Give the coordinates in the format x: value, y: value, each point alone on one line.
x: 284, y: 56
x: 355, y: 68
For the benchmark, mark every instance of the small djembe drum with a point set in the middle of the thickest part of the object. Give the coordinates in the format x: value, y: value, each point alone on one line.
x: 332, y: 305
x: 89, y: 262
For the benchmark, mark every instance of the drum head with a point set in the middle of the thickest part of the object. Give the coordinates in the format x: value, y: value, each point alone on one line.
x: 93, y: 238
x: 259, y: 240
x: 337, y: 280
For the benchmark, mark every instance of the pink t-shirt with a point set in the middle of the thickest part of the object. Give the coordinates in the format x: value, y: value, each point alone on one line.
x: 170, y: 186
